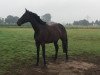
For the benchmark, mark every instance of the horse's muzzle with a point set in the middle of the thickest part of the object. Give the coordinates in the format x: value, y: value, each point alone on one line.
x: 18, y: 23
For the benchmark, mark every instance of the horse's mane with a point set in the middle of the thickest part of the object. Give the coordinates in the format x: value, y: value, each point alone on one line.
x: 38, y: 18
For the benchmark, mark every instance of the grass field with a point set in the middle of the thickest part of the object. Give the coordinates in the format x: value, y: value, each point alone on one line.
x: 17, y: 46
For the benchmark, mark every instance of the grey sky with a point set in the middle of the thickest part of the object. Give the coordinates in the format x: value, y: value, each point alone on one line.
x: 61, y: 10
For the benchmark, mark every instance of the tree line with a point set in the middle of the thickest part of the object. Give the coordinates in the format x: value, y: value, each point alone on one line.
x: 47, y: 18
x: 85, y: 22
x: 9, y: 20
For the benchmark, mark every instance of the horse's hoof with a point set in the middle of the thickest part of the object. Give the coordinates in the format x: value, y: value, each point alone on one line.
x: 36, y: 64
x: 54, y: 58
x: 66, y: 60
x: 44, y: 66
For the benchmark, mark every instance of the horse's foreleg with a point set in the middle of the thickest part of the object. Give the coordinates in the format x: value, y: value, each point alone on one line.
x: 38, y: 50
x: 43, y: 53
x: 56, y: 50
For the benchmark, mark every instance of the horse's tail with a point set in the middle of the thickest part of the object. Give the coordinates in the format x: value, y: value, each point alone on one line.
x: 64, y: 38
x: 65, y: 45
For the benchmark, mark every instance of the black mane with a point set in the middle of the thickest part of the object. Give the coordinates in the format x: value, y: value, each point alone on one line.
x: 38, y: 18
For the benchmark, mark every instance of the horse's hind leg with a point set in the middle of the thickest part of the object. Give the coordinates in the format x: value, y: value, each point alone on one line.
x: 56, y: 50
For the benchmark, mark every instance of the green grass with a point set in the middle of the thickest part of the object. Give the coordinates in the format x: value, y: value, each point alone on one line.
x: 17, y: 47
x: 84, y: 41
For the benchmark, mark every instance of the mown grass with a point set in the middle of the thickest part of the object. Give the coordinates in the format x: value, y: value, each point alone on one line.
x: 17, y: 47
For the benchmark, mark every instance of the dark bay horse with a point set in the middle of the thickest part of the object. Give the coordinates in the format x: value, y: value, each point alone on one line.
x: 45, y: 33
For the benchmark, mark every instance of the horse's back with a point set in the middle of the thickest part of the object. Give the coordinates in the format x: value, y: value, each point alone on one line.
x: 59, y: 27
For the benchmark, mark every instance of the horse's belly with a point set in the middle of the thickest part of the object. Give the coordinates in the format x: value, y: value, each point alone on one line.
x: 51, y: 40
x: 48, y: 40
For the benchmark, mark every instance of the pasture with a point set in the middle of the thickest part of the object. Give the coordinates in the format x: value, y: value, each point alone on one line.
x: 17, y: 48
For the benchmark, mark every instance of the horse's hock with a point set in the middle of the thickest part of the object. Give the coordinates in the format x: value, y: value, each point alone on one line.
x: 69, y: 68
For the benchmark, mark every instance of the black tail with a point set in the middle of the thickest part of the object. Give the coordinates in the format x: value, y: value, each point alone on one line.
x: 64, y: 38
x: 65, y: 45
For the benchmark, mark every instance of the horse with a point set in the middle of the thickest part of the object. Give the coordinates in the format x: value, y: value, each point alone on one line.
x: 45, y: 34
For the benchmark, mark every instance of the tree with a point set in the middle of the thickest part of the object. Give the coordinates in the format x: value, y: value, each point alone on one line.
x: 1, y: 20
x: 46, y: 17
x: 97, y: 22
x: 81, y: 22
x: 84, y: 22
x: 76, y: 23
x: 92, y: 23
x: 11, y: 19
x: 15, y: 19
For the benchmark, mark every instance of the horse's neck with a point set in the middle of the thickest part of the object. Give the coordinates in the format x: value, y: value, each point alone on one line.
x: 35, y: 26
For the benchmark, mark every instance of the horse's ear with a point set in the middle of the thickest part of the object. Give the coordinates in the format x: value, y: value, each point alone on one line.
x: 26, y: 10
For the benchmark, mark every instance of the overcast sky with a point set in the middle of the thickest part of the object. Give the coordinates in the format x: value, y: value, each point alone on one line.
x: 61, y: 10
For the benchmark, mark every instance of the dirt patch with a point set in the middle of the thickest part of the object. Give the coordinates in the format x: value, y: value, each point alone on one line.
x: 63, y: 68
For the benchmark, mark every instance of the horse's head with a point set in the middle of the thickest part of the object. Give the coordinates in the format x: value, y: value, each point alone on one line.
x: 25, y: 18
x: 29, y: 17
